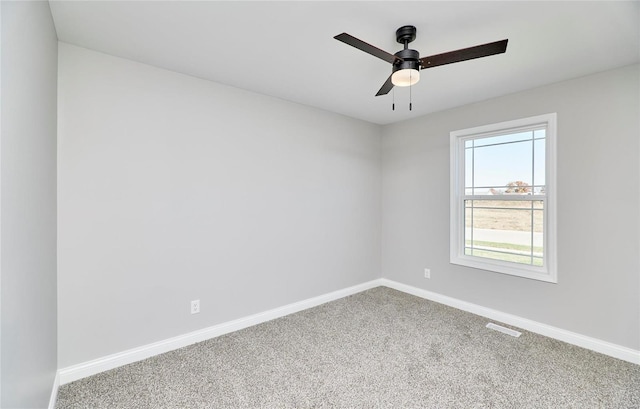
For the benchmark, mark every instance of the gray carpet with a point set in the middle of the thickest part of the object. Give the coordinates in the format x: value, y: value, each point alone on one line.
x: 377, y: 349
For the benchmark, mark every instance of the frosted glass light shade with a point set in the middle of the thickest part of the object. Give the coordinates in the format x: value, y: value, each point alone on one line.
x: 406, y: 77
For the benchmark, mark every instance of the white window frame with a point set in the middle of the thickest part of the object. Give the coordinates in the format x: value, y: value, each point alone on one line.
x: 548, y: 271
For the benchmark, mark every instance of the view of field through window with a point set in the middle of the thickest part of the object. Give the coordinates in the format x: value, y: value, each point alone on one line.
x: 505, y: 196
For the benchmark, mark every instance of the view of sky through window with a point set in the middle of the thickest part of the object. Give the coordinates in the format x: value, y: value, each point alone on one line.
x: 492, y: 163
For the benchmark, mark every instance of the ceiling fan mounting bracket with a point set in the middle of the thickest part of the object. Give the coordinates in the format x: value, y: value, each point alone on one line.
x: 406, y: 34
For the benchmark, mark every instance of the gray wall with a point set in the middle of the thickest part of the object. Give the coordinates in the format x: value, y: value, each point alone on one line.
x: 173, y: 188
x: 598, y: 287
x: 28, y: 204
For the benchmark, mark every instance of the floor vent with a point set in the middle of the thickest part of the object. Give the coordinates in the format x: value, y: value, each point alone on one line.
x: 504, y: 330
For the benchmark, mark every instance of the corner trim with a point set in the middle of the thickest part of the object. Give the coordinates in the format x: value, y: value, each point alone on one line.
x: 82, y: 370
x: 54, y: 391
x: 594, y: 344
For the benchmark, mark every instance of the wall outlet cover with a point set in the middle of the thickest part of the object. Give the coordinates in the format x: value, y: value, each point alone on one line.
x: 195, y: 306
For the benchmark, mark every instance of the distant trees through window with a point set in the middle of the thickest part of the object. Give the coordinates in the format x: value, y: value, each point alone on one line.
x: 517, y: 187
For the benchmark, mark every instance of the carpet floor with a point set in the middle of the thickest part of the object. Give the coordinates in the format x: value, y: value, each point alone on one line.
x: 377, y: 349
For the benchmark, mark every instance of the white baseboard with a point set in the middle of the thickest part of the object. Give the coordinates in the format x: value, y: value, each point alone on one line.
x: 75, y: 372
x: 603, y: 347
x: 54, y: 391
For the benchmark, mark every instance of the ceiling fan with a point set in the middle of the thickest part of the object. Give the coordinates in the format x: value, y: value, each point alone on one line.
x: 406, y: 63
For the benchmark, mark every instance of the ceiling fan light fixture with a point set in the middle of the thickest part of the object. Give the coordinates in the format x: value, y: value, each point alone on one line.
x: 405, y: 78
x: 406, y: 70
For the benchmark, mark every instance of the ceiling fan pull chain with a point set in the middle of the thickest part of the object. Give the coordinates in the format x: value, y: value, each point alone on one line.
x: 393, y: 104
x: 410, y: 87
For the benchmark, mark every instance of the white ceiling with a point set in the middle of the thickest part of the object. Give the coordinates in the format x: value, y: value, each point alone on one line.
x: 287, y: 50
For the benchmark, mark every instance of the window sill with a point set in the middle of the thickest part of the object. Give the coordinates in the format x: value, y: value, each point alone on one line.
x: 513, y: 269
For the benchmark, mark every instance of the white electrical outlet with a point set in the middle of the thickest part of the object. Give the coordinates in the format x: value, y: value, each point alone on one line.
x: 427, y: 273
x: 195, y: 306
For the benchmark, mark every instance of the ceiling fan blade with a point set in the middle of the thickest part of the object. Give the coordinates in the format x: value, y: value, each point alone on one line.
x: 367, y: 48
x: 483, y: 50
x: 386, y: 87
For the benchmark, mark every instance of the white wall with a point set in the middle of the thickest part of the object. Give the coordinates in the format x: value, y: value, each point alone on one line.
x: 173, y: 188
x: 598, y: 290
x: 28, y: 204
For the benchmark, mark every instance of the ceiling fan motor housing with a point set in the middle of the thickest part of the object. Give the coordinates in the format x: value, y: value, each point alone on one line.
x: 410, y: 60
x: 405, y: 71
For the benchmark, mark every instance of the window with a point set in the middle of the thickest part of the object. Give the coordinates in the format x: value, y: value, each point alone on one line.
x: 503, y: 212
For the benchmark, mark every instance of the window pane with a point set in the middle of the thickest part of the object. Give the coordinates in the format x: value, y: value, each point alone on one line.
x: 522, y: 136
x: 539, y: 155
x: 538, y: 227
x: 508, y: 204
x: 497, y: 166
x: 505, y: 230
x: 514, y: 258
x: 468, y: 168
